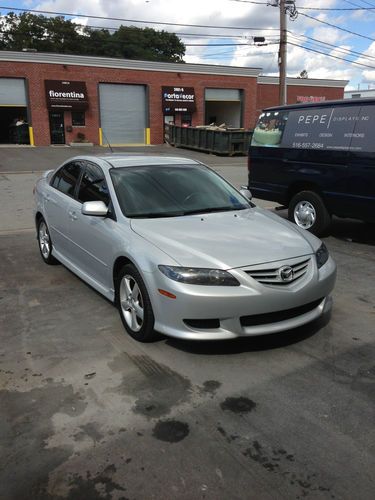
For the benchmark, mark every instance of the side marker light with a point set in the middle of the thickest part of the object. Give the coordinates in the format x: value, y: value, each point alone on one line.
x: 167, y: 294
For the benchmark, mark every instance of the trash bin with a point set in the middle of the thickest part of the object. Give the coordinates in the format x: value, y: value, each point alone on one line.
x: 226, y: 142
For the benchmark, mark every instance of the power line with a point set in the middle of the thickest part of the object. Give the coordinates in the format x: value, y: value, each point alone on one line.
x: 332, y: 56
x: 314, y: 8
x: 340, y: 49
x: 137, y: 20
x: 338, y: 27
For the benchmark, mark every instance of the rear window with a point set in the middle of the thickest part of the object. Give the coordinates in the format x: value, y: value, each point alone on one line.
x: 65, y: 180
x: 270, y: 128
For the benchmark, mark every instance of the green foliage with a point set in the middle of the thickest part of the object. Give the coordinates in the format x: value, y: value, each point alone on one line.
x: 56, y: 34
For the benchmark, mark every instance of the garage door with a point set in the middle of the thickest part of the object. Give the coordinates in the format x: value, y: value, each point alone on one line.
x: 13, y: 109
x: 223, y: 106
x: 123, y: 114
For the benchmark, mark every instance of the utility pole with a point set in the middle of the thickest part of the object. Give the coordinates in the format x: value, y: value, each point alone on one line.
x: 286, y: 7
x: 282, y: 54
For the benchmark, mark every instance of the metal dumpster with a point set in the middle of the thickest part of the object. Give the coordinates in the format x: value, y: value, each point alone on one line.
x: 227, y: 142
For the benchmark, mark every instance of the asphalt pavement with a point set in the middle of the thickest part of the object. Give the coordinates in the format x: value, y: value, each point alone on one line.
x: 86, y: 413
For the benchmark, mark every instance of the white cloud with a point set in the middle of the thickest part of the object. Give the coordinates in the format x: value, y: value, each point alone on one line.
x: 240, y: 14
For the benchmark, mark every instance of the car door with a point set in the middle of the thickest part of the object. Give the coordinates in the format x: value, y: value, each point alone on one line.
x: 90, y: 236
x: 57, y: 199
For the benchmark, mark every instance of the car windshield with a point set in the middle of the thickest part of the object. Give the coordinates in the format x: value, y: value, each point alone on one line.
x: 173, y: 190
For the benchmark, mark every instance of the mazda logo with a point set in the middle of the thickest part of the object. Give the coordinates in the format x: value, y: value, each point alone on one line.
x: 286, y: 273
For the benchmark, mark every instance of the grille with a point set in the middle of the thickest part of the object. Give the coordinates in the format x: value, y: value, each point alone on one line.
x: 273, y: 276
x: 274, y: 317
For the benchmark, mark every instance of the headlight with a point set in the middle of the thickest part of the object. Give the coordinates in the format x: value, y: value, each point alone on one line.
x: 199, y: 276
x: 321, y: 255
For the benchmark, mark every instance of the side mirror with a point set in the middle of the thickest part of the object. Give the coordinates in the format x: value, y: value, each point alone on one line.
x: 245, y: 191
x: 95, y: 208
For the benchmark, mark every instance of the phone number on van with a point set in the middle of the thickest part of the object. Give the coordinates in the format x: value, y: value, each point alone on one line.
x: 308, y: 145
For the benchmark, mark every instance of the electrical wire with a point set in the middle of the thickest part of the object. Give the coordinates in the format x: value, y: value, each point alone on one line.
x: 347, y: 52
x: 331, y: 55
x: 137, y: 20
x: 337, y: 27
x: 312, y: 8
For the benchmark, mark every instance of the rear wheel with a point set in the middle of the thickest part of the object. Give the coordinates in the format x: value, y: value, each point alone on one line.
x: 134, y: 304
x: 307, y: 210
x: 45, y: 243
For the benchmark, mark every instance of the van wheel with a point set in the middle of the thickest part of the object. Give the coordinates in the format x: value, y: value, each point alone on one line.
x: 307, y: 210
x: 134, y: 304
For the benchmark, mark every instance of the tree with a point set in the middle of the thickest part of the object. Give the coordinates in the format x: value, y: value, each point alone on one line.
x: 56, y: 34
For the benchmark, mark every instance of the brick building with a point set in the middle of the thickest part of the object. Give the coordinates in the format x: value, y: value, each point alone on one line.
x: 58, y: 98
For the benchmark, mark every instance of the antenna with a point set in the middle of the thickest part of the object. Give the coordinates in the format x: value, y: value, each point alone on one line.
x: 109, y: 144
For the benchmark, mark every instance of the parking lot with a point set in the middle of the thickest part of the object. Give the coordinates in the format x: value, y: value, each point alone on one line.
x: 88, y: 413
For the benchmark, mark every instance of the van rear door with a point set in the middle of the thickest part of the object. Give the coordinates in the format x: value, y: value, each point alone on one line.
x: 361, y: 168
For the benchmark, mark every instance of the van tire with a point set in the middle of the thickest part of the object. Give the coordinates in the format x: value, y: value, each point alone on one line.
x: 307, y: 210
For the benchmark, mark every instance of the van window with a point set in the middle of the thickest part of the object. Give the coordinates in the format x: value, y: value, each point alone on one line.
x: 269, y: 129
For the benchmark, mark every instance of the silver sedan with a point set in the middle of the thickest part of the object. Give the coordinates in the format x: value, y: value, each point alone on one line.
x: 178, y: 249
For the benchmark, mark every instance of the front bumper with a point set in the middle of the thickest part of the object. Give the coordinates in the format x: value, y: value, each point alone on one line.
x: 216, y: 313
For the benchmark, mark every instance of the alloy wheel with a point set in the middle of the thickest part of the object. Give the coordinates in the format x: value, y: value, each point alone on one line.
x: 44, y: 240
x: 131, y: 302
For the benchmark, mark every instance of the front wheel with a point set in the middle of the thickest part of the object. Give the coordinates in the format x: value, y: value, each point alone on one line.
x: 307, y: 210
x: 134, y: 304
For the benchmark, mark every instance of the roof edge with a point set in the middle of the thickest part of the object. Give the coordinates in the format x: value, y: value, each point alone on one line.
x: 107, y: 62
x: 303, y: 82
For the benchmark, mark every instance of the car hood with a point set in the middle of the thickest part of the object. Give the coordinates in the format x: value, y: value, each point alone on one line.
x: 224, y: 240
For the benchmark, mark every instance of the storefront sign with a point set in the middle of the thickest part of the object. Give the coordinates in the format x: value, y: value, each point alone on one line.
x: 178, y: 100
x: 66, y: 95
x: 310, y: 98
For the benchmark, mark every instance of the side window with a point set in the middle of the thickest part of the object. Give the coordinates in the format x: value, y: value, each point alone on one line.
x: 66, y: 178
x: 93, y: 186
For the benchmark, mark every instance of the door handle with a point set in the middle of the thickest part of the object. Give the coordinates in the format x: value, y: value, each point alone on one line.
x: 72, y: 215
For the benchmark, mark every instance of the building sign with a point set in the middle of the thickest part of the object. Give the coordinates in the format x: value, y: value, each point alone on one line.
x: 62, y: 94
x: 310, y: 98
x: 178, y: 100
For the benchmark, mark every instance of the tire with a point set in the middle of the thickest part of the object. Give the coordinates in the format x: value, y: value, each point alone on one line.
x: 307, y: 210
x: 134, y: 305
x: 45, y: 243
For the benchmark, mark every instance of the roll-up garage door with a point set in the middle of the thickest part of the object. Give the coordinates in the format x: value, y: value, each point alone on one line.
x: 123, y: 113
x: 12, y: 92
x: 224, y: 106
x: 13, y: 109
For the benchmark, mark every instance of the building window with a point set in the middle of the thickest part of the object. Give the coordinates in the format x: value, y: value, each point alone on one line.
x: 78, y: 118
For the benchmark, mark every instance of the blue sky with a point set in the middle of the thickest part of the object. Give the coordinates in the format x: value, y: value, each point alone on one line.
x: 247, y: 19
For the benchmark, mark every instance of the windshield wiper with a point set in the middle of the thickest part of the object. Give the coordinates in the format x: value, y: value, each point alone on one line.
x: 154, y: 215
x: 214, y: 209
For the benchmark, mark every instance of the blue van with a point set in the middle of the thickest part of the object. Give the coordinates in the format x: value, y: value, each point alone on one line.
x: 316, y: 159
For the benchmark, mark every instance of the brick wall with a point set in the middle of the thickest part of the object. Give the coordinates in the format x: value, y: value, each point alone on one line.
x: 256, y: 96
x: 268, y: 94
x: 36, y: 73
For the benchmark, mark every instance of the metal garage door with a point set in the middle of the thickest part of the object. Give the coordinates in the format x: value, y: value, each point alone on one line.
x: 12, y: 92
x: 123, y: 113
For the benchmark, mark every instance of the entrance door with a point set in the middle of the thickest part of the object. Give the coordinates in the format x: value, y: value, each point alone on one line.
x: 56, y: 121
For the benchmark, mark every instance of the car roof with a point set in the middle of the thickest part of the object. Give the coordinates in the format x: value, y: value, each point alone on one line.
x: 134, y: 160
